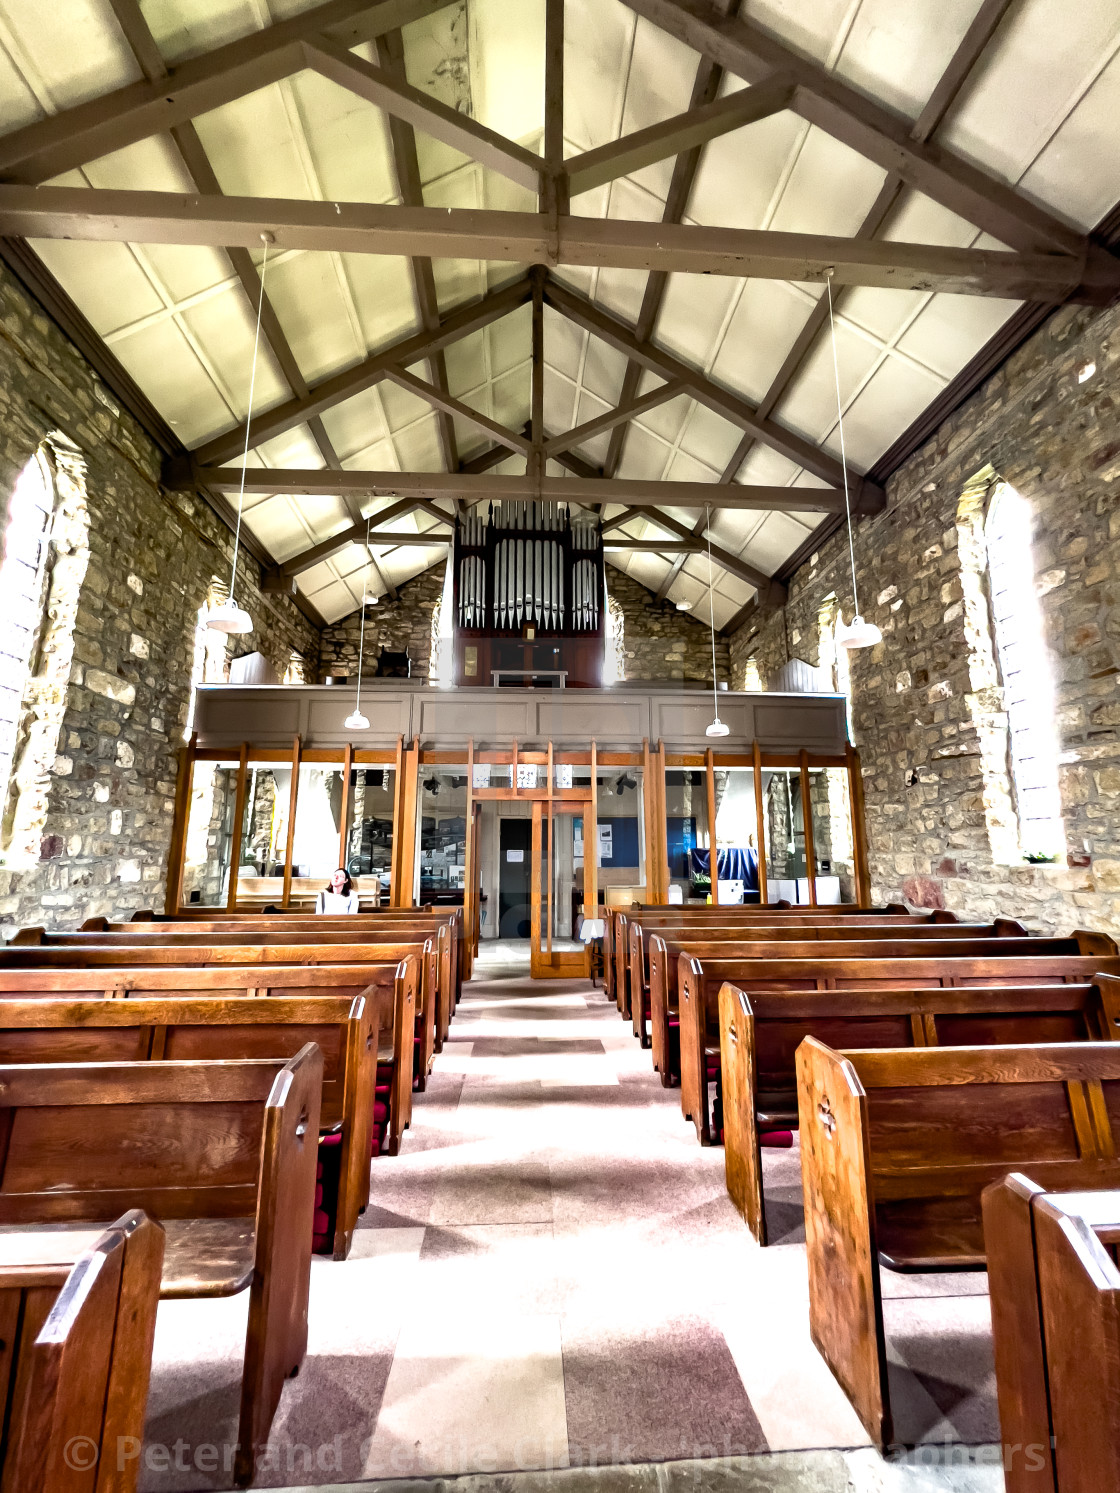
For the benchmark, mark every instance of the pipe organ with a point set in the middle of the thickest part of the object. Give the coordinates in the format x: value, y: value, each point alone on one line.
x: 529, y: 597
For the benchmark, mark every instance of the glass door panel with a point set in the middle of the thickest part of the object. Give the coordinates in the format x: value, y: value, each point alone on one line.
x: 686, y: 826
x: 369, y: 848
x: 784, y: 825
x: 209, y: 840
x: 833, y: 842
x: 264, y: 834
x: 736, y: 834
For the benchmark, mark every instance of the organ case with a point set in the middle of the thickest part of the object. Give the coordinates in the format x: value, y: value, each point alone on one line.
x: 529, y: 596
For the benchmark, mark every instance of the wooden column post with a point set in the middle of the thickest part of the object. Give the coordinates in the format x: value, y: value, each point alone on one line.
x: 807, y: 819
x: 535, y: 884
x: 548, y: 853
x: 469, y: 873
x: 661, y: 825
x: 344, y: 806
x: 293, y: 797
x: 760, y: 817
x: 177, y: 851
x: 406, y: 830
x: 535, y: 462
x: 713, y: 854
x: 859, y: 826
x: 591, y: 845
x: 238, y: 826
x: 395, y: 858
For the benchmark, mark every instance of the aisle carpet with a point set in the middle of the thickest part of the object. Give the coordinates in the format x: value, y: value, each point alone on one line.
x: 550, y: 1274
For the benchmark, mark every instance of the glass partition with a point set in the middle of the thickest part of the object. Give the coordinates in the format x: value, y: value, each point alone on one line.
x: 567, y: 881
x: 833, y: 841
x: 686, y: 831
x: 442, y: 862
x: 369, y: 846
x: 209, y: 838
x: 784, y: 825
x: 264, y: 834
x: 620, y: 834
x: 736, y: 835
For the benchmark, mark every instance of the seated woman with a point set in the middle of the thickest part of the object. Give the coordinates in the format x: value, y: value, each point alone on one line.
x: 339, y: 896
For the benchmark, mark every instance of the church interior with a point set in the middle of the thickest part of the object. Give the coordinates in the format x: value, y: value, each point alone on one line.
x: 560, y: 746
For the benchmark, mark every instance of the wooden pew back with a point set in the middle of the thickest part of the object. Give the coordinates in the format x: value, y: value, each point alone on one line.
x: 390, y: 991
x: 189, y: 1030
x: 760, y: 1035
x: 895, y: 964
x: 77, y: 1359
x: 83, y: 1141
x: 1055, y: 1298
x: 896, y: 1150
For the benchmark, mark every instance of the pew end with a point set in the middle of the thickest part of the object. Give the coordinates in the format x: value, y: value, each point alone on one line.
x: 742, y: 1149
x: 845, y: 1295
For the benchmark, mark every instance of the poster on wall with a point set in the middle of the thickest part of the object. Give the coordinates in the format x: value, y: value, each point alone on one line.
x: 526, y: 775
x: 606, y: 843
x: 481, y: 775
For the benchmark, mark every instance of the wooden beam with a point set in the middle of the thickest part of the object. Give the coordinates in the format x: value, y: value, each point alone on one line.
x: 112, y: 121
x: 722, y: 401
x: 350, y: 381
x: 402, y: 140
x: 678, y: 564
x: 705, y: 89
x: 528, y: 238
x: 355, y: 534
x: 824, y: 99
x: 535, y: 463
x: 610, y: 418
x: 420, y: 486
x: 553, y: 198
x: 485, y: 460
x: 440, y: 401
x: 683, y: 132
x: 386, y: 90
x: 730, y: 562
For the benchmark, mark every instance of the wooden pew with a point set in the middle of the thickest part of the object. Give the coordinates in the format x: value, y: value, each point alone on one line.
x: 77, y: 1357
x: 387, y: 975
x: 436, y: 995
x: 85, y: 1140
x: 823, y: 926
x: 897, y: 1148
x: 1055, y: 1299
x: 760, y: 1034
x: 881, y: 964
x: 184, y: 1029
x: 616, y: 966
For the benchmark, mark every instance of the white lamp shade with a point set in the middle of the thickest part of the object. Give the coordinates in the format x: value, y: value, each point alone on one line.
x: 356, y: 721
x: 718, y: 728
x: 860, y: 634
x: 229, y: 618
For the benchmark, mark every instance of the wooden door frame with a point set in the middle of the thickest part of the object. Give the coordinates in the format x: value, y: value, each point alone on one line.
x: 550, y: 963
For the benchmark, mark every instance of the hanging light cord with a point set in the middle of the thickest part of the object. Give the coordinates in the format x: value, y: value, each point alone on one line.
x: 843, y: 452
x: 362, y: 630
x: 266, y: 239
x: 711, y: 609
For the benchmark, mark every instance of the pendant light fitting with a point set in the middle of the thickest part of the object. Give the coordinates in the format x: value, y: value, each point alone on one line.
x: 229, y: 617
x: 717, y: 728
x: 860, y: 634
x: 356, y: 721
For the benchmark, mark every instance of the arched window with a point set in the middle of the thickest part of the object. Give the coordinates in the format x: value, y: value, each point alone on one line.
x: 296, y: 672
x: 1024, y: 669
x: 210, y: 663
x: 441, y: 665
x: 26, y: 545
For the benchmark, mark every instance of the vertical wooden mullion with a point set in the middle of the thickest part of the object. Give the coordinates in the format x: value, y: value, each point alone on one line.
x: 661, y: 825
x: 408, y: 829
x: 548, y: 858
x: 293, y: 798
x: 760, y: 833
x: 398, y: 845
x: 238, y: 826
x: 647, y: 815
x: 344, y: 806
x: 859, y: 827
x: 535, y: 887
x: 468, y: 870
x: 178, y: 850
x: 591, y: 844
x: 713, y: 854
x: 807, y: 821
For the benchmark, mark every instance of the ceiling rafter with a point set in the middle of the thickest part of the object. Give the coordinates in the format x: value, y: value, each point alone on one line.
x: 430, y: 486
x: 187, y: 142
x: 87, y: 131
x: 440, y: 401
x: 869, y: 128
x: 402, y: 143
x: 112, y: 216
x: 705, y: 89
x: 686, y: 536
x: 338, y: 387
x: 946, y: 92
x: 612, y: 417
x: 677, y: 135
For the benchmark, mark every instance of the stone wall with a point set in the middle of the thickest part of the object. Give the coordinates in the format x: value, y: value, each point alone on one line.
x: 658, y: 641
x: 404, y: 624
x: 927, y: 709
x: 89, y: 819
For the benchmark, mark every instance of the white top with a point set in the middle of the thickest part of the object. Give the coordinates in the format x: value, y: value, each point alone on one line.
x: 334, y: 905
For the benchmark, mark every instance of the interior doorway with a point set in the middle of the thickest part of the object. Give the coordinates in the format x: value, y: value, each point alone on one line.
x: 515, y: 910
